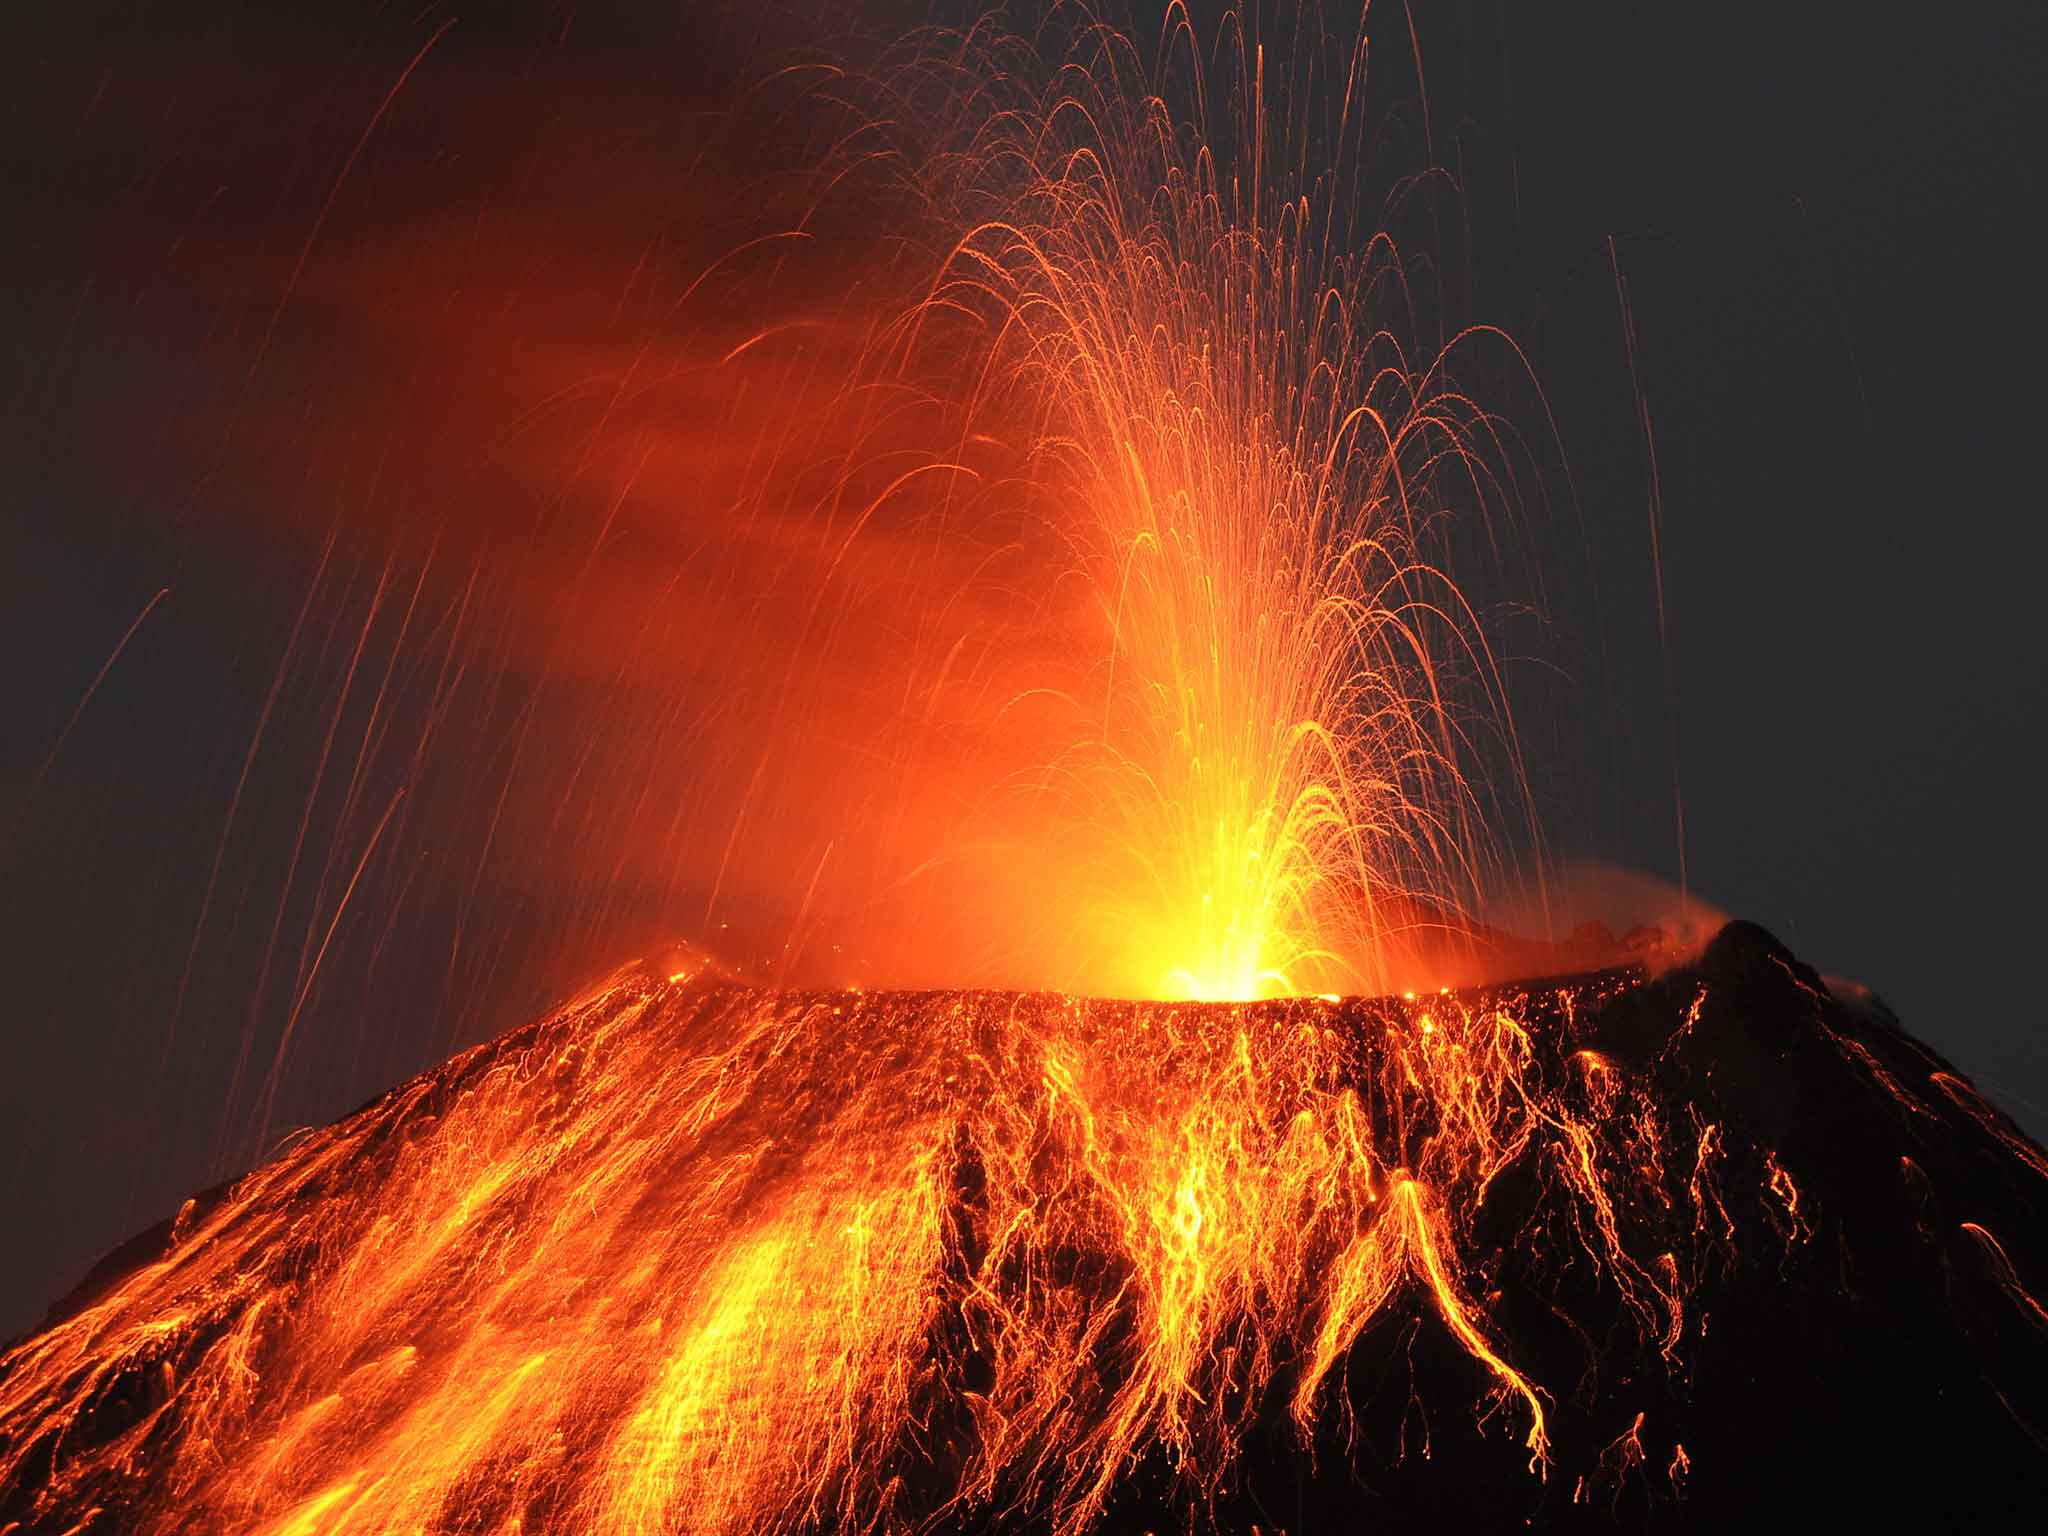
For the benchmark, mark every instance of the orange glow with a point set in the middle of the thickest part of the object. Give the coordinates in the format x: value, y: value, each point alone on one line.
x: 676, y: 1259
x: 1276, y: 719
x: 685, y: 1256
x: 695, y: 1256
x: 1069, y: 588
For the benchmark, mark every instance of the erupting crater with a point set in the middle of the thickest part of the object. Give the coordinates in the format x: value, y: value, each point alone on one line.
x: 683, y: 1256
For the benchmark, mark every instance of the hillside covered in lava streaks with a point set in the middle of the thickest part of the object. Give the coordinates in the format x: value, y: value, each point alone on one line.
x: 686, y: 1257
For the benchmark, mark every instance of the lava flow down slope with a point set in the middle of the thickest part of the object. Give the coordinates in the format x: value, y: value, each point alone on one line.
x: 1120, y: 615
x: 683, y: 1256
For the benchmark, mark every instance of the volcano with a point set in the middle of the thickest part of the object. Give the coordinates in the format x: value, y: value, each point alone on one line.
x: 1612, y: 1249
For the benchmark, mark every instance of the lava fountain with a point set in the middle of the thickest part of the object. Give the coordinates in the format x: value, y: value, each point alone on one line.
x: 683, y: 1259
x: 1286, y: 710
x: 686, y: 1256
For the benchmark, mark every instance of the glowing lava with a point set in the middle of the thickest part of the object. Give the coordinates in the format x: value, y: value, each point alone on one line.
x: 723, y: 1261
x: 700, y: 1259
x: 1285, y: 709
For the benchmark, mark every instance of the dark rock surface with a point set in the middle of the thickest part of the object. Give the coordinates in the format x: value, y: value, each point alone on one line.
x: 1860, y: 1242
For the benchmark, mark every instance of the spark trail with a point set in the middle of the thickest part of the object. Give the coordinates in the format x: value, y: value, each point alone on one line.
x: 684, y: 1256
x: 1290, y: 749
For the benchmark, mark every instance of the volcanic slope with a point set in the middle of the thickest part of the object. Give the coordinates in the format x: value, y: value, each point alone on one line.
x: 1606, y: 1250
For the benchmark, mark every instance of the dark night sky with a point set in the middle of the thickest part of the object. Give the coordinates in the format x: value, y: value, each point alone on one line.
x: 1826, y: 226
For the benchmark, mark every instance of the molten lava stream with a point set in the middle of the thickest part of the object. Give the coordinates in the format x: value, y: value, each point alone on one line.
x: 705, y: 1259
x: 678, y: 1259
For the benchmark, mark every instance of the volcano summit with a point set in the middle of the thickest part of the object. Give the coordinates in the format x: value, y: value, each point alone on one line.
x: 687, y: 1257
